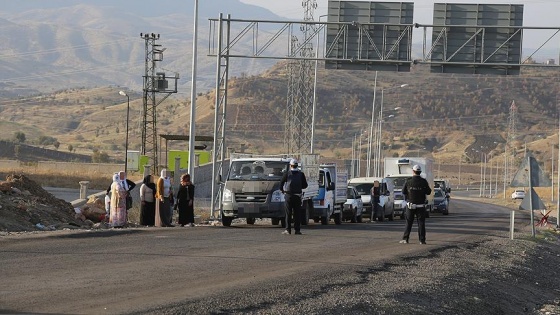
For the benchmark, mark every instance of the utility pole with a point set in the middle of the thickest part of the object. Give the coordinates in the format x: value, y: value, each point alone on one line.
x: 299, y: 112
x: 154, y: 82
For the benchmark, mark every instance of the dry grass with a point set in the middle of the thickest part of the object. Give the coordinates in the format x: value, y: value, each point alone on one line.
x: 68, y: 180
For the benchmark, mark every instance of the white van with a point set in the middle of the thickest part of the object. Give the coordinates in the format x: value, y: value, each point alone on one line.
x: 364, y: 184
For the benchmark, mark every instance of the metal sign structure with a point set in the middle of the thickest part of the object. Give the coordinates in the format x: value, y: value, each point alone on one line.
x: 476, y: 38
x: 378, y: 36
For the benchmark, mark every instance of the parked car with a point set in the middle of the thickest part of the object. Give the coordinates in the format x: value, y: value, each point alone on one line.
x: 399, y: 204
x: 518, y: 194
x: 441, y: 202
x: 353, y: 207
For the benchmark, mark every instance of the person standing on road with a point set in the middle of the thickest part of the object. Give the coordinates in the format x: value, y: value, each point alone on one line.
x: 375, y: 198
x: 415, y: 190
x: 147, y: 202
x: 292, y: 184
x: 185, y: 201
x: 164, y: 193
x: 117, y: 217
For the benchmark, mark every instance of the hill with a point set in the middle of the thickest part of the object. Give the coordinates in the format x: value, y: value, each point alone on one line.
x: 449, y: 117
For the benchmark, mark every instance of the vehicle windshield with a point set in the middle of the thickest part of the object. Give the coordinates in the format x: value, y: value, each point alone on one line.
x: 350, y: 193
x: 364, y: 189
x: 438, y: 193
x: 256, y: 170
x: 398, y: 182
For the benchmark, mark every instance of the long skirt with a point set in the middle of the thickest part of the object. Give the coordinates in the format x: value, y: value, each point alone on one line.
x: 148, y: 213
x: 186, y: 214
x: 117, y: 217
x: 163, y: 212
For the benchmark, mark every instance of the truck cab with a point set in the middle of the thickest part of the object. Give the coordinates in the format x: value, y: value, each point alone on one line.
x: 329, y: 202
x: 252, y: 187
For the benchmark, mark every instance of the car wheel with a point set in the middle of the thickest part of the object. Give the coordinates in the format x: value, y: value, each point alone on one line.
x: 226, y: 221
x: 275, y: 221
x: 354, y: 218
x: 359, y: 219
x: 338, y: 218
x: 251, y: 220
x: 306, y: 211
x: 381, y: 217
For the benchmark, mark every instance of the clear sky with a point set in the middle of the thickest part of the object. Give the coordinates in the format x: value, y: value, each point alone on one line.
x: 537, y: 12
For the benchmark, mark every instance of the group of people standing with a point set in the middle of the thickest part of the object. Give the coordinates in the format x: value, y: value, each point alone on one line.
x: 157, y: 200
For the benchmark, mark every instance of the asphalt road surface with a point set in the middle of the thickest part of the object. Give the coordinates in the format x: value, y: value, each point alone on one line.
x: 146, y: 269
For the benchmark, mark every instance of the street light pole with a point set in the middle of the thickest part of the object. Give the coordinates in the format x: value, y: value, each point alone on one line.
x: 192, y: 130
x: 315, y: 89
x: 379, y: 134
x: 126, y: 138
x: 370, y: 140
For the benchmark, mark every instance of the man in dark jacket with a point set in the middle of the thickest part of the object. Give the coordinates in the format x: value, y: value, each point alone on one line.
x: 375, y: 198
x: 415, y: 190
x: 292, y: 184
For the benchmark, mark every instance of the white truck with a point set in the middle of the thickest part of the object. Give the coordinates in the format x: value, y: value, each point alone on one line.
x: 400, y: 169
x: 252, y: 187
x: 329, y: 202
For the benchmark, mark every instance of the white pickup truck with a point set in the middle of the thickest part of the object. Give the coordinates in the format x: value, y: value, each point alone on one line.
x: 252, y: 187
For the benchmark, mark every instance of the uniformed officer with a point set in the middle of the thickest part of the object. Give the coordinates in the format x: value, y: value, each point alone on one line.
x: 415, y: 190
x: 292, y: 184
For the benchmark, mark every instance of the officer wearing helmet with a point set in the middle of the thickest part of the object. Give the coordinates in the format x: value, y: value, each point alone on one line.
x: 292, y: 184
x: 415, y: 190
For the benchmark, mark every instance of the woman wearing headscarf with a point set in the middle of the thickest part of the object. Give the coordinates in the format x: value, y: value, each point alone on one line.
x: 185, y: 201
x: 163, y: 205
x: 147, y: 202
x: 117, y: 218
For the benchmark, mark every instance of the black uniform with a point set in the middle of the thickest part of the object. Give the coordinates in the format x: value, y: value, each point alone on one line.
x: 295, y: 182
x: 375, y: 198
x: 415, y: 190
x: 185, y: 194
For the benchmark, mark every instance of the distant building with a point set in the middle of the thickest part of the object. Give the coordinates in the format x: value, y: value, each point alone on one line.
x: 550, y: 62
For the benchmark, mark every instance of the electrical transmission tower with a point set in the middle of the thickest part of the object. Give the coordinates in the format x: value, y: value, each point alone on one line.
x: 154, y: 82
x: 299, y: 110
x: 509, y: 152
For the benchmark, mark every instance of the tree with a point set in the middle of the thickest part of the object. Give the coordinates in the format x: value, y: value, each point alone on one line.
x: 70, y: 148
x: 100, y: 157
x: 20, y: 137
x: 56, y: 145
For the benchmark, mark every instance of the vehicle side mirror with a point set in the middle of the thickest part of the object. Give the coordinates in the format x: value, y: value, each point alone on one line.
x: 331, y: 186
x: 448, y: 190
x: 219, y: 178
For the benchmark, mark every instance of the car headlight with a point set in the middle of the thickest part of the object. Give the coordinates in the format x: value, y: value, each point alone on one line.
x: 277, y: 196
x: 227, y: 196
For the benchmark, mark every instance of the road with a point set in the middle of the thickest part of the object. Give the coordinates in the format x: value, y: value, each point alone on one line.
x: 121, y: 271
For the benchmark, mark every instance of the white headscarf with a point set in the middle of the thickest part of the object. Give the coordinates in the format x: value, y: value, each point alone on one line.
x: 164, y: 173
